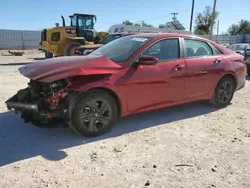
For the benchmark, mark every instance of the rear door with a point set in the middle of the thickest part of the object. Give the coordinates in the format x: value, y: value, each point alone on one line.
x: 205, y: 64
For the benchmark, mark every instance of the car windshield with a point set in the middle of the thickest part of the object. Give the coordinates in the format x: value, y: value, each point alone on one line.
x: 110, y: 38
x: 121, y: 49
x: 238, y: 47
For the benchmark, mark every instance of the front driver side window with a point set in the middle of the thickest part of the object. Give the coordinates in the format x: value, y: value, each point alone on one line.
x: 196, y: 48
x: 164, y: 50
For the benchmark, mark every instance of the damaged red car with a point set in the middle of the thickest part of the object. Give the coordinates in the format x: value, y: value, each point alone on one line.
x: 126, y: 76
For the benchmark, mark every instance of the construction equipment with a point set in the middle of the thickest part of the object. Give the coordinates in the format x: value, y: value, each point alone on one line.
x: 63, y: 40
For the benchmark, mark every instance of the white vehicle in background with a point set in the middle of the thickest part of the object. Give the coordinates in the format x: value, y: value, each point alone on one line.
x: 120, y: 28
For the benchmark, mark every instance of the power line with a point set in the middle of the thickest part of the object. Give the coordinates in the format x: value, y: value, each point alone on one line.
x: 155, y: 18
x: 138, y: 22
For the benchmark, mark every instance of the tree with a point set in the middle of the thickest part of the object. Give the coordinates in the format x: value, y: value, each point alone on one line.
x: 204, y: 20
x: 127, y: 22
x: 146, y: 25
x: 243, y: 27
x: 162, y: 26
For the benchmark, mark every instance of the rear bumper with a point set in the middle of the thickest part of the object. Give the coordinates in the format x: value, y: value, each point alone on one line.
x: 13, y: 104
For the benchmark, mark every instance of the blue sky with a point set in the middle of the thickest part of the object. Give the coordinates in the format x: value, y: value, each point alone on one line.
x: 39, y: 14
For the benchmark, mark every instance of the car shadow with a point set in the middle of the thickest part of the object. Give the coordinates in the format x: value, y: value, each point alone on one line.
x: 19, y: 141
x: 248, y: 78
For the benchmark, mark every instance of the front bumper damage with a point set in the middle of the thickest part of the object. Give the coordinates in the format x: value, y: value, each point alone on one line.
x: 39, y: 111
x: 13, y: 104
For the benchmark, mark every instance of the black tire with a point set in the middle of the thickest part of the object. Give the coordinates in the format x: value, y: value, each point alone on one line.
x: 70, y: 49
x: 48, y: 54
x: 248, y: 72
x: 224, y: 92
x: 82, y: 127
x: 248, y: 67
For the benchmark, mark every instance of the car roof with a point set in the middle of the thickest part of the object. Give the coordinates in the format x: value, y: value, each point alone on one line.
x: 163, y: 35
x: 122, y: 34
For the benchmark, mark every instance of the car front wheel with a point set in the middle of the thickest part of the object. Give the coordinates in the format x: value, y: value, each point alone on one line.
x: 94, y: 114
x: 224, y: 92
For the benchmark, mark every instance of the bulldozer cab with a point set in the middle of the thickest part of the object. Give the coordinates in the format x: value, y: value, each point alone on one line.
x: 84, y: 24
x: 62, y: 40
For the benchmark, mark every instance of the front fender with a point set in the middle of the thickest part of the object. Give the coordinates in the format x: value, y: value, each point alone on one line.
x: 86, y: 83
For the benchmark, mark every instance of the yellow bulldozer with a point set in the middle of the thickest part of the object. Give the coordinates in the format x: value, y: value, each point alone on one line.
x: 63, y: 40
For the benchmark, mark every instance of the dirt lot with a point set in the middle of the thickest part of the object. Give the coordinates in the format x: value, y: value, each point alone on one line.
x: 188, y: 146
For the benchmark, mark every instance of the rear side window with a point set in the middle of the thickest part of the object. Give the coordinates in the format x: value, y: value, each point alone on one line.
x: 216, y: 50
x: 196, y: 48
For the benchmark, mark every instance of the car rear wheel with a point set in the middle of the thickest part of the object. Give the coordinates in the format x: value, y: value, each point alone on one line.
x: 224, y: 92
x: 248, y: 71
x: 248, y: 66
x: 94, y: 114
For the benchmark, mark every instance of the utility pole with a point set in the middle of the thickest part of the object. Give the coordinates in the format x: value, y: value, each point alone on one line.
x: 212, y: 23
x: 174, y: 17
x: 192, y: 13
x: 218, y: 26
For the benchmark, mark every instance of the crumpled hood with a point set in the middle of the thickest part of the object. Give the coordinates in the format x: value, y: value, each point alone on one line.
x: 53, y: 69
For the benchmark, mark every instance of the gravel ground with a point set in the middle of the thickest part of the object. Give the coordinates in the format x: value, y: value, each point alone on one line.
x: 193, y: 145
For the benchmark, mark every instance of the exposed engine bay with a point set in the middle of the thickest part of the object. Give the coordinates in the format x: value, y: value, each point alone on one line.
x: 40, y: 102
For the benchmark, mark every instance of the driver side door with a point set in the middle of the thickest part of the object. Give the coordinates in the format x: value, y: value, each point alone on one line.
x: 154, y: 86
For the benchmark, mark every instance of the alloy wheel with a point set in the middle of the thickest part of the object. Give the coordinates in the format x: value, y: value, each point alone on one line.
x: 225, y: 92
x: 96, y: 114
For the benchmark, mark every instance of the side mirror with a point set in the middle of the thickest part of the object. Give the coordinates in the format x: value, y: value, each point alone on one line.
x: 147, y: 60
x: 57, y: 24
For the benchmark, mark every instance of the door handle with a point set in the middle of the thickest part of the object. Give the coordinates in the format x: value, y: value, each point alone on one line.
x: 217, y: 61
x: 178, y: 67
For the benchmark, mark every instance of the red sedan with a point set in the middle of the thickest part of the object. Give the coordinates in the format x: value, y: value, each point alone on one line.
x: 129, y: 75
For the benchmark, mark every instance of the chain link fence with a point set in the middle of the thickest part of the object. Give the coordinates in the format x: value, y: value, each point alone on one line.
x: 19, y: 39
x: 223, y: 39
